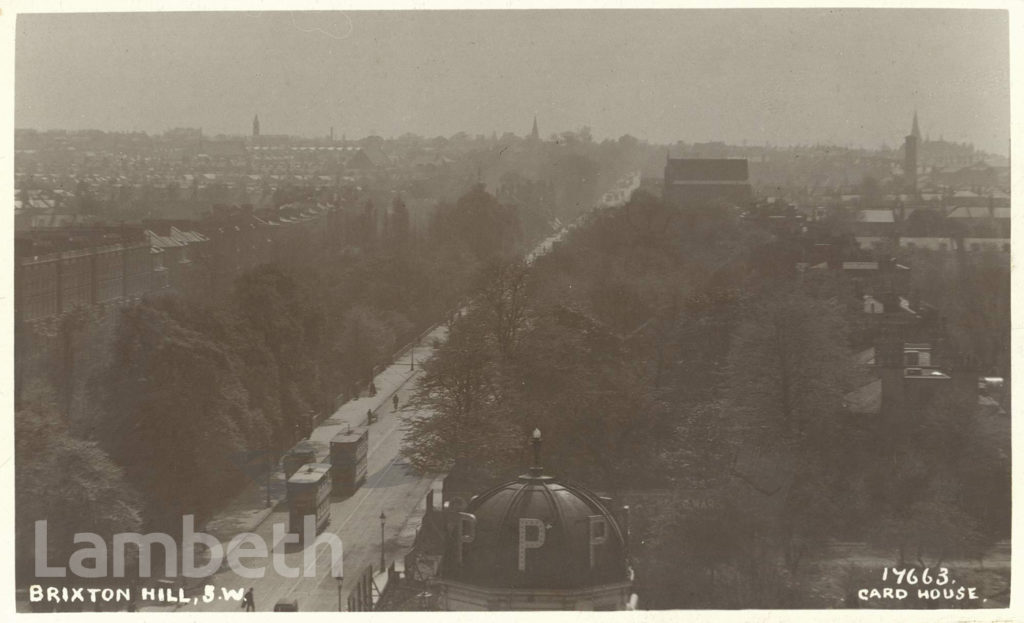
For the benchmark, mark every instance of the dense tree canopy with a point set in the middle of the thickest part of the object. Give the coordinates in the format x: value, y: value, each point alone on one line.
x: 69, y: 483
x: 677, y: 358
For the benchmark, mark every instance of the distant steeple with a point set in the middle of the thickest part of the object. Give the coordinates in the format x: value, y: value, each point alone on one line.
x: 534, y: 134
x: 256, y: 125
x: 910, y: 157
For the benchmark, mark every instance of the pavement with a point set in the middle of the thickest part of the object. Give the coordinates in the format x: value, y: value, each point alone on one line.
x: 391, y: 487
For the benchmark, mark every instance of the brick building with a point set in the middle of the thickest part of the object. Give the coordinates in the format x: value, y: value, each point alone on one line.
x: 69, y: 273
x: 694, y: 182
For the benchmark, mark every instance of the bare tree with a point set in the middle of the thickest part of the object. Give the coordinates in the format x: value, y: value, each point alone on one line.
x: 503, y: 300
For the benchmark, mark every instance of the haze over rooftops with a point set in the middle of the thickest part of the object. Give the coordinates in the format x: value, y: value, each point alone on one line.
x: 707, y: 169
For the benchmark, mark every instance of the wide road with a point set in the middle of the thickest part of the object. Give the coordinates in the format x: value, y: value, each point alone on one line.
x: 391, y: 488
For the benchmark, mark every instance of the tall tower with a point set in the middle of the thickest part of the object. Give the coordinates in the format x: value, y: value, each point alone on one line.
x: 256, y: 126
x: 910, y: 157
x: 534, y: 134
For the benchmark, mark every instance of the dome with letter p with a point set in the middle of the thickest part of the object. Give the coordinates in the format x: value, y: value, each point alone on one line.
x: 535, y: 533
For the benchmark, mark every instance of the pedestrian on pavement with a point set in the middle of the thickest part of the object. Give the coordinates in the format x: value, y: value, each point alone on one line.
x: 394, y: 401
x: 373, y: 389
x: 249, y: 601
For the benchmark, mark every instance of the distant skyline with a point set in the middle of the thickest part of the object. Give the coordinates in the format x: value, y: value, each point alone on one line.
x: 786, y: 77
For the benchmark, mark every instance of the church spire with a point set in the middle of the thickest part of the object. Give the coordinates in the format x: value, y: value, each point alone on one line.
x: 256, y: 125
x: 534, y: 134
x: 915, y: 131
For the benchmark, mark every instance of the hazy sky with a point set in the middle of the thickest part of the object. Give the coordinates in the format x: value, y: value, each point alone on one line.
x: 778, y: 76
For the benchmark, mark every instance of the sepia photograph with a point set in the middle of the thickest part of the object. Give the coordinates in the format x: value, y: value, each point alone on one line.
x: 519, y: 309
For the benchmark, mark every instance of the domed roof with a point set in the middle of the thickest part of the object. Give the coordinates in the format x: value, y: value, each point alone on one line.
x: 536, y: 532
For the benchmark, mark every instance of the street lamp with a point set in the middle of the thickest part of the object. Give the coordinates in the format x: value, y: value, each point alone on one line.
x: 340, y: 578
x: 412, y: 351
x: 382, y: 519
x: 268, y: 473
x: 535, y: 440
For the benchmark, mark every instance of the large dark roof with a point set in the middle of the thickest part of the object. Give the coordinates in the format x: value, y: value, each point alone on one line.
x: 706, y: 169
x: 564, y: 561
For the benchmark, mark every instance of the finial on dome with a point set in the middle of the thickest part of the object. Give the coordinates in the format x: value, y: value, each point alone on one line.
x: 535, y: 439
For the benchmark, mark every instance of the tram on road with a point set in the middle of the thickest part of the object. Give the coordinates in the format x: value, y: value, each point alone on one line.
x: 349, y: 451
x: 303, y: 453
x: 309, y: 493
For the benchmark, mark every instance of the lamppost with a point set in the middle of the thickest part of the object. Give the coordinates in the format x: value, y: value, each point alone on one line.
x: 268, y: 472
x: 412, y: 351
x: 382, y: 519
x: 340, y: 578
x: 535, y: 441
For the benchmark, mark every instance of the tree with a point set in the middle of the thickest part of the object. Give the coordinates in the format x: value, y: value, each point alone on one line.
x: 709, y: 557
x: 789, y: 369
x: 575, y: 177
x: 282, y: 312
x: 921, y: 495
x: 399, y: 221
x: 70, y: 483
x: 178, y: 411
x: 366, y: 340
x: 503, y: 299
x: 480, y: 224
x: 463, y: 415
x: 578, y: 381
x: 648, y: 218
